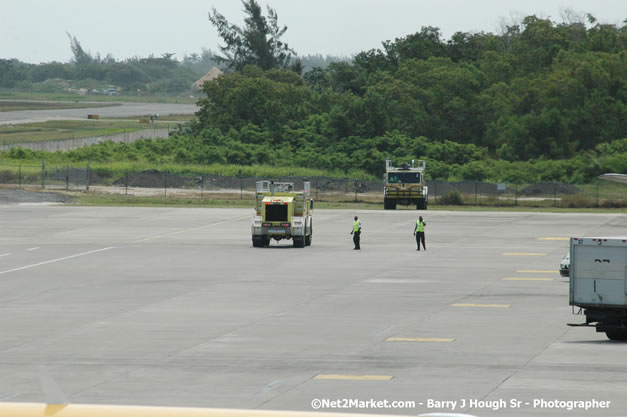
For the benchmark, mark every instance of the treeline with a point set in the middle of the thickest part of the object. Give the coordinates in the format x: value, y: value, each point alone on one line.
x: 163, y: 74
x: 538, y: 93
x: 135, y: 75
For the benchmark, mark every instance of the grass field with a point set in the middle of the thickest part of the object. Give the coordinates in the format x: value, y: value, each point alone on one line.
x: 69, y: 129
x: 18, y: 105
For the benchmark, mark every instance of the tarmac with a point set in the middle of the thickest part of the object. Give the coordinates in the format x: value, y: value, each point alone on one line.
x: 174, y: 307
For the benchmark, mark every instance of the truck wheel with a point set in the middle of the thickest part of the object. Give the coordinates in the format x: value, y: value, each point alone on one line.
x: 617, y: 334
x: 299, y: 241
x: 258, y: 241
x: 265, y: 241
x: 309, y: 236
x: 389, y: 204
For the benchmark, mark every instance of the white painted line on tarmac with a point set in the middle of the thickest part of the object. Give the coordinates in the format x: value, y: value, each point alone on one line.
x: 4, y: 254
x: 35, y: 248
x: 55, y: 260
x: 272, y: 385
x: 382, y: 331
x: 176, y: 232
x: 4, y: 396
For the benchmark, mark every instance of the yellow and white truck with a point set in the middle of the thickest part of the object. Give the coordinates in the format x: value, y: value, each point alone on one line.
x: 281, y: 212
x: 405, y: 185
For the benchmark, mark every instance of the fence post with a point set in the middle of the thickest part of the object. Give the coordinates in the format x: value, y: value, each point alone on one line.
x: 435, y: 199
x: 87, y: 182
x: 355, y: 189
x: 554, y: 195
x: 43, y: 173
x: 475, y: 193
x: 241, y: 187
x: 67, y: 177
x: 126, y: 183
x: 597, y: 194
x: 165, y: 184
x: 516, y: 195
x: 317, y: 187
x: 202, y: 184
x: 19, y: 177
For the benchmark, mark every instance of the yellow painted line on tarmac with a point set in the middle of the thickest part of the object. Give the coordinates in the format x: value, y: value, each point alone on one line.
x: 553, y: 238
x: 176, y: 232
x: 528, y: 279
x: 483, y: 305
x: 523, y: 254
x: 420, y: 339
x: 538, y: 271
x: 354, y: 377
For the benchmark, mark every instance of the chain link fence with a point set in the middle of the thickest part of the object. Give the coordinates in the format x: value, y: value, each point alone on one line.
x: 157, y: 183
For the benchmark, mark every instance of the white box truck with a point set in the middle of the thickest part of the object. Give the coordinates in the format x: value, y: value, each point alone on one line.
x: 598, y: 283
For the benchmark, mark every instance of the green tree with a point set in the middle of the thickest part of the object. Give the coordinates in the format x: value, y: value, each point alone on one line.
x: 257, y: 43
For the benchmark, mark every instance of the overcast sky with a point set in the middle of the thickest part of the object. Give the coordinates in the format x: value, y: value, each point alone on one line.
x: 35, y: 30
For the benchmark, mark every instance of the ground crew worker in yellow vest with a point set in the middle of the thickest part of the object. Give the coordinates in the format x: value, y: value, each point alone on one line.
x: 356, y: 232
x: 419, y: 232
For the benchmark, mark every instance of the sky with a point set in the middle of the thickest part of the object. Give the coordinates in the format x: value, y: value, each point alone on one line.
x: 35, y: 31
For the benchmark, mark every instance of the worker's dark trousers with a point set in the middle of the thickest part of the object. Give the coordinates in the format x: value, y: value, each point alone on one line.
x: 356, y: 239
x: 420, y: 237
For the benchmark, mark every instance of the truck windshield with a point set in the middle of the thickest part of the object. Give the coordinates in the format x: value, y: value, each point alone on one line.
x: 404, y: 177
x: 276, y: 213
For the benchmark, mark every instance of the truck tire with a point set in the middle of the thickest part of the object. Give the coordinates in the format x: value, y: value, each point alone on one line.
x: 617, y: 334
x: 258, y: 241
x: 389, y: 204
x: 421, y: 204
x: 299, y: 241
x: 308, y: 237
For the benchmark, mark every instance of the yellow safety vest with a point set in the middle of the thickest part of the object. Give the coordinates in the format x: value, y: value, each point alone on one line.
x: 420, y: 226
x: 355, y: 226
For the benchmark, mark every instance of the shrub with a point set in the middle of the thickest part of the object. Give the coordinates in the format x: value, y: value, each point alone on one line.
x: 577, y: 201
x: 452, y: 198
x: 610, y: 203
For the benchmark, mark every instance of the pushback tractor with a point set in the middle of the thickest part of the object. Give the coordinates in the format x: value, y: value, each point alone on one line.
x: 281, y: 212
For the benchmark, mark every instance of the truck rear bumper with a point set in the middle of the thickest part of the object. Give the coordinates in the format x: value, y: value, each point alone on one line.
x: 605, y: 318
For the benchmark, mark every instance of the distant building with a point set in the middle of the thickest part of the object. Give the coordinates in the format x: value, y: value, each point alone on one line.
x: 211, y: 75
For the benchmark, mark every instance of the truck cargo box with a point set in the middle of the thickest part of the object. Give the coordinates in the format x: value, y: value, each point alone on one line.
x: 598, y: 272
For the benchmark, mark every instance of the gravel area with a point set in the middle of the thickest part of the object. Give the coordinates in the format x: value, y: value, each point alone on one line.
x: 31, y: 197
